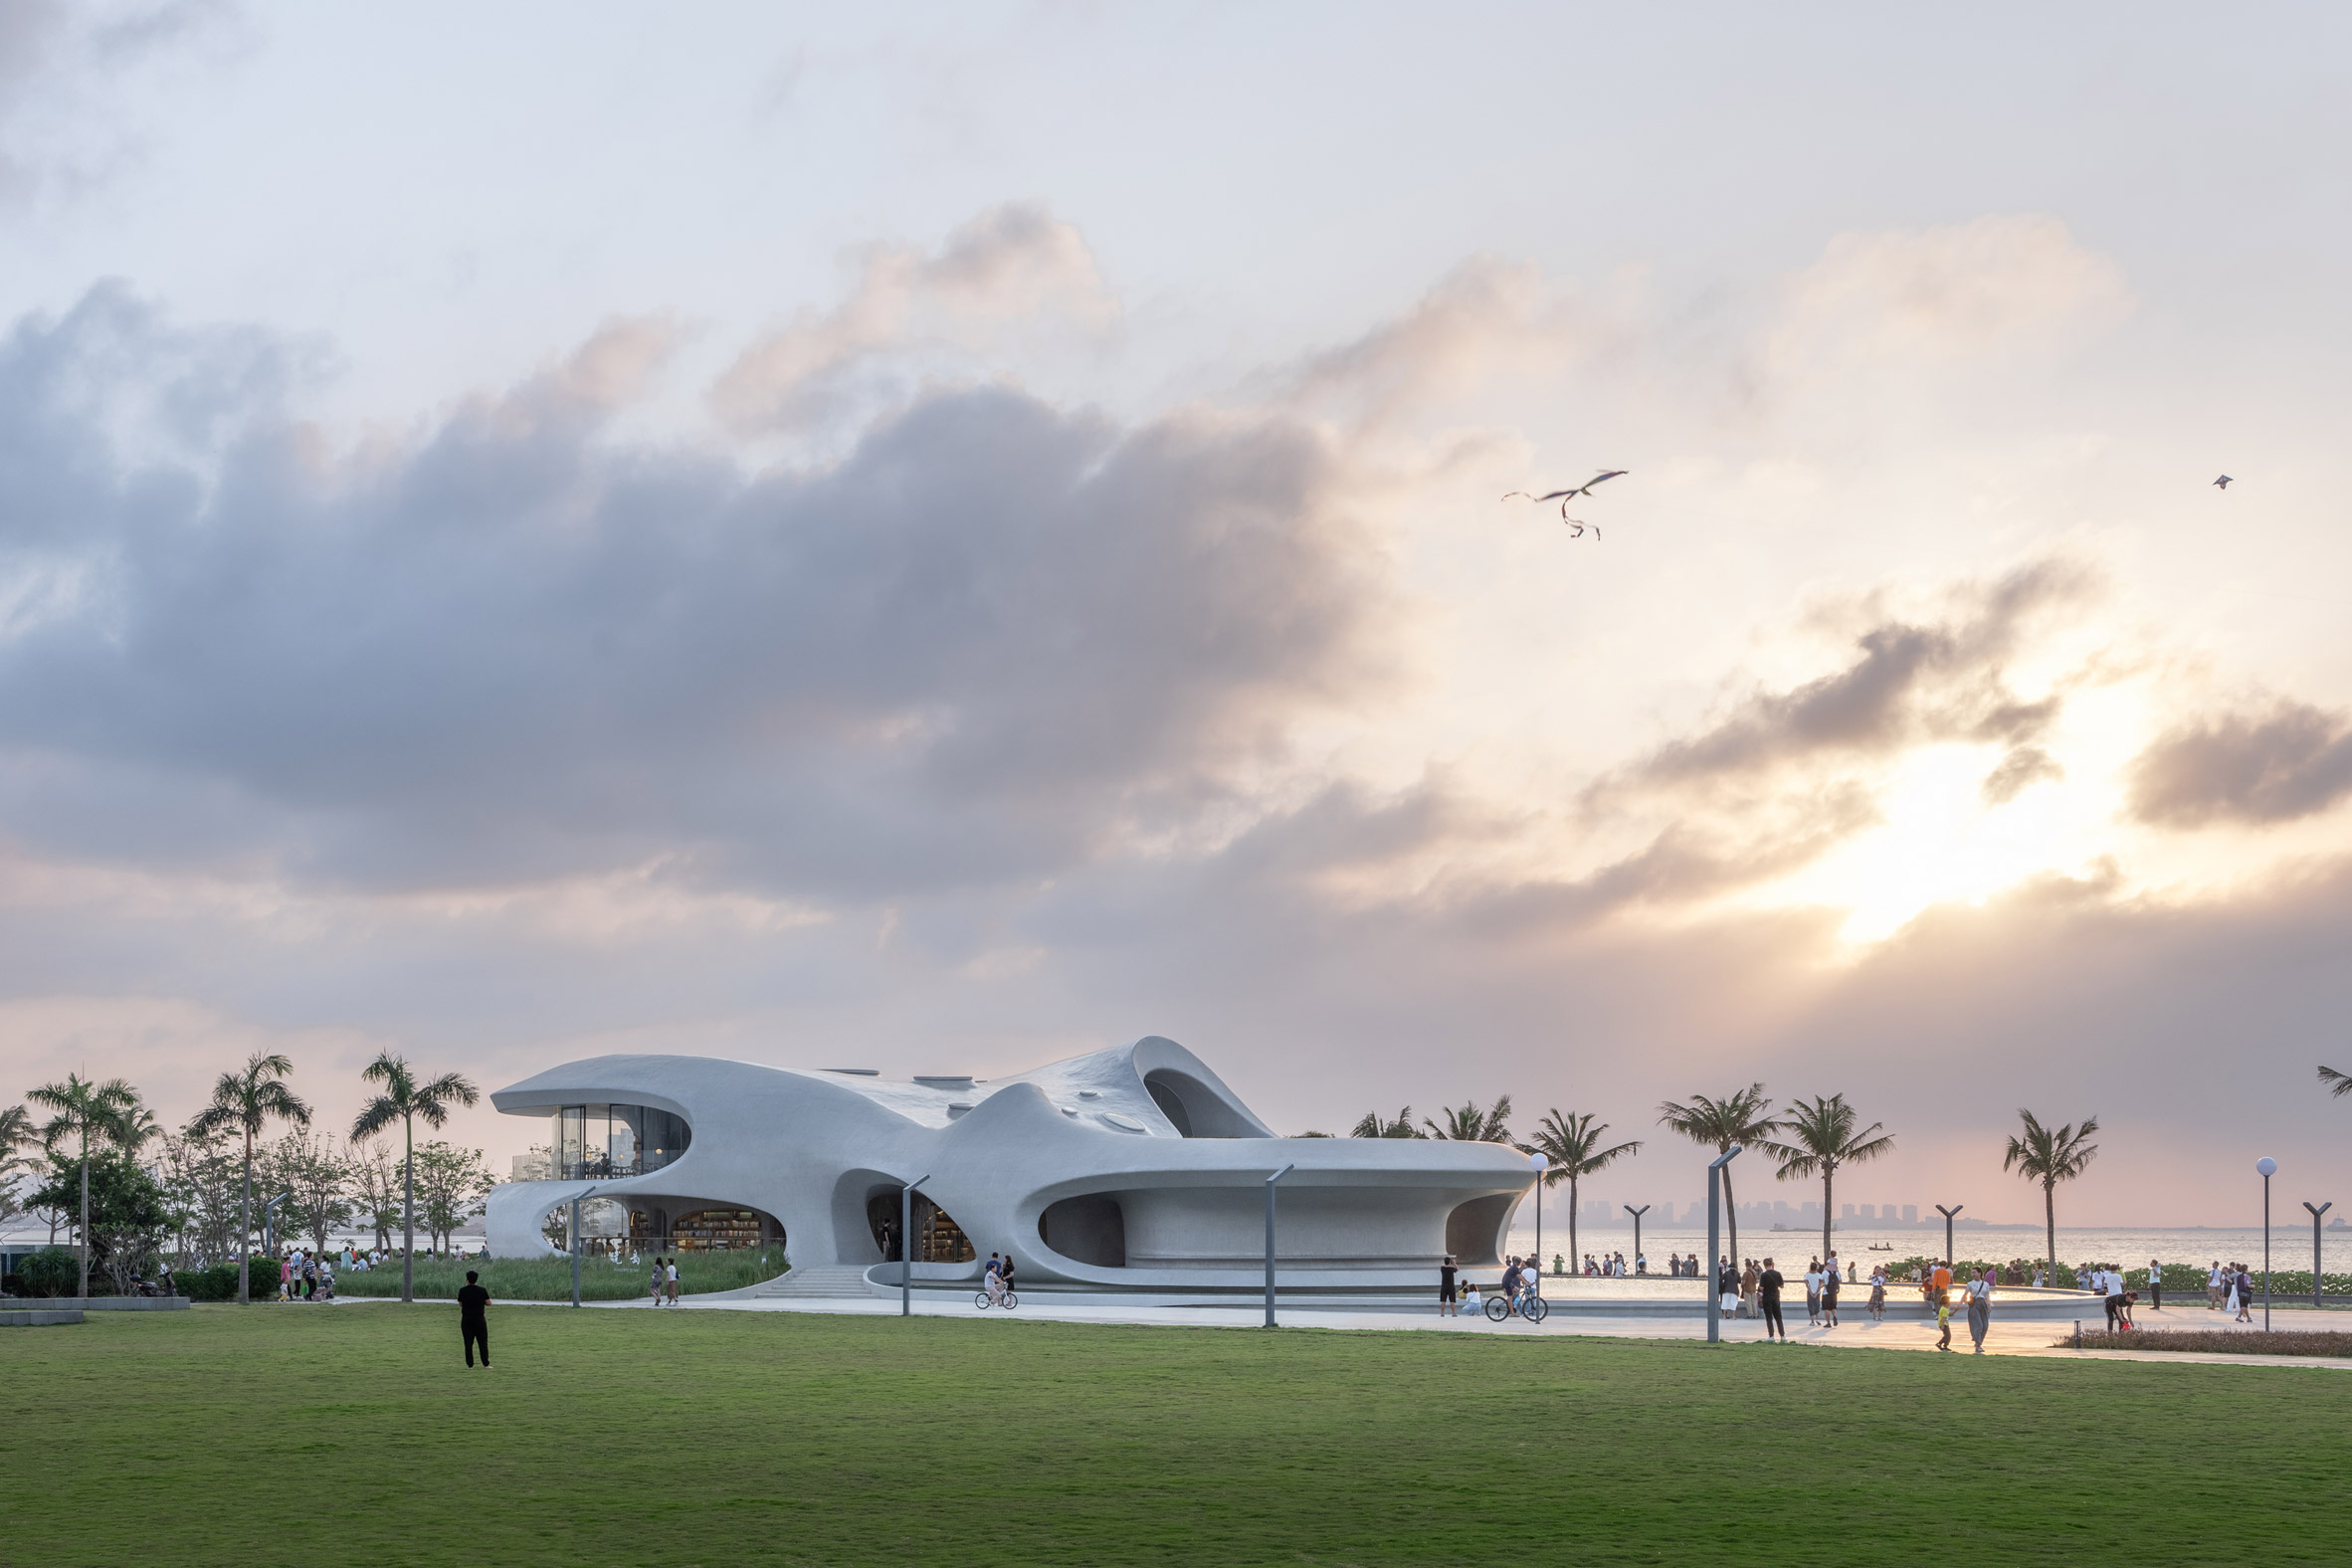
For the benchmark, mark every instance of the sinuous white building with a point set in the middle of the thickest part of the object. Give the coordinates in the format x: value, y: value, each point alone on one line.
x: 1132, y: 1170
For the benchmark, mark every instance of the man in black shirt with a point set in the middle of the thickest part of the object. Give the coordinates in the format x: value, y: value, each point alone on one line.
x: 1446, y: 1306
x: 474, y: 1318
x: 1768, y: 1287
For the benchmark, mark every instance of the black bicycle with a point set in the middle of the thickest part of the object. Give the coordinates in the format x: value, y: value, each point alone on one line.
x: 1529, y: 1305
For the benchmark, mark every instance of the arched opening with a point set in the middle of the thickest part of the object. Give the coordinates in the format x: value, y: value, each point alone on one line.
x: 1090, y: 1228
x: 937, y: 1237
x: 1474, y: 1231
x: 1195, y: 1110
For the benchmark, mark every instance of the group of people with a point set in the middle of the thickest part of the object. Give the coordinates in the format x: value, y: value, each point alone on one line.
x: 1612, y: 1266
x: 2229, y: 1287
x: 303, y: 1277
x: 663, y: 1284
x: 1521, y: 1279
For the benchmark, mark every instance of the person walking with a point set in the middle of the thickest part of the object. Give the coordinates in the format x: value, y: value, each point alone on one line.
x: 1943, y: 1319
x: 670, y: 1279
x: 655, y: 1285
x: 2243, y: 1288
x: 1980, y: 1308
x: 1768, y: 1286
x: 1447, y: 1307
x: 474, y: 1318
x: 2155, y: 1285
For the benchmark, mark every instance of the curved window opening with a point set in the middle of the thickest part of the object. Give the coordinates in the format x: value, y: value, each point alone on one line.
x: 1091, y: 1228
x: 1195, y: 1110
x: 1474, y: 1231
x: 606, y: 1142
x: 937, y: 1237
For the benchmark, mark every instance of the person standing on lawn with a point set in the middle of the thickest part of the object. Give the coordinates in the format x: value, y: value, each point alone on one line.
x: 474, y: 1318
x: 1768, y: 1286
x: 1980, y: 1308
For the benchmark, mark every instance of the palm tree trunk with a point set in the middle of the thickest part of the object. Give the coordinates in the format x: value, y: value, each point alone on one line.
x: 2049, y: 1224
x: 1575, y: 1257
x: 407, y: 1213
x: 1828, y: 1180
x: 86, y: 1213
x: 1730, y: 1213
x: 245, y: 1229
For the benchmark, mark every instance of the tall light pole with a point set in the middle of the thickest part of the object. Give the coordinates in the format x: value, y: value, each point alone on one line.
x: 1636, y: 1214
x: 576, y: 1197
x: 1539, y: 1162
x: 2315, y: 1214
x: 906, y: 1245
x: 1270, y: 1241
x: 1948, y: 1214
x: 1715, y: 1238
x: 2269, y: 1168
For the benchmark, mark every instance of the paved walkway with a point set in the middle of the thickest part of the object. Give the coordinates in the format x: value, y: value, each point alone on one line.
x: 1856, y: 1332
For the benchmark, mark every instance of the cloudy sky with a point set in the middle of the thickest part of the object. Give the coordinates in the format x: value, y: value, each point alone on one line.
x: 944, y: 539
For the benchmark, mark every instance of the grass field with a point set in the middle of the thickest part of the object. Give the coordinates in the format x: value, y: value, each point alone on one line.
x: 242, y: 1435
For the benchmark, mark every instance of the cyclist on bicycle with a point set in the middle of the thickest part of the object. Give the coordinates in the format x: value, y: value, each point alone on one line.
x: 993, y: 1281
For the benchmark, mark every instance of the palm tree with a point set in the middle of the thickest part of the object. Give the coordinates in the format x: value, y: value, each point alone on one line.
x: 85, y: 1110
x: 16, y: 1131
x: 1467, y: 1123
x: 1573, y: 1145
x: 2341, y: 1081
x: 2051, y: 1156
x: 405, y: 1101
x: 243, y: 1101
x: 1373, y: 1127
x: 1740, y: 1119
x: 1826, y: 1138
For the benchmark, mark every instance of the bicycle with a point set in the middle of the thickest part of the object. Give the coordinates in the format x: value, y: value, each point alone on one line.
x: 1529, y: 1305
x: 1004, y: 1298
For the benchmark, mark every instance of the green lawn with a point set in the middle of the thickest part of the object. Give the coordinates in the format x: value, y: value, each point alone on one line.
x: 355, y: 1434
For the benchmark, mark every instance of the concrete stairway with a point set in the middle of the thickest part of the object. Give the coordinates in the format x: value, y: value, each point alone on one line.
x: 835, y: 1283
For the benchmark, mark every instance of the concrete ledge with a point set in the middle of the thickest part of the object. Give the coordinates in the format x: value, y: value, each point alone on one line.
x: 123, y: 1303
x: 39, y: 1317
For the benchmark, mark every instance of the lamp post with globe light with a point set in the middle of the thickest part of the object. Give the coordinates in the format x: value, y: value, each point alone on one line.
x: 1539, y: 1162
x: 2269, y: 1168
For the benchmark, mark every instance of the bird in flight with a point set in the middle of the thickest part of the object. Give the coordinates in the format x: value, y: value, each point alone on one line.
x: 2223, y: 483
x: 1564, y: 496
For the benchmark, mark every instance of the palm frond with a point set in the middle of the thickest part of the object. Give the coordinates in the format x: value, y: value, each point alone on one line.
x: 2340, y: 1084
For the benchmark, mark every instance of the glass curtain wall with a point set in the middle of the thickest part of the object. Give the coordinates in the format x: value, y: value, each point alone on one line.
x: 601, y: 1142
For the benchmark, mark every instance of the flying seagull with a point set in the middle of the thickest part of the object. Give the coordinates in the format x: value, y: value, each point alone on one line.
x: 2223, y: 483
x: 1564, y: 496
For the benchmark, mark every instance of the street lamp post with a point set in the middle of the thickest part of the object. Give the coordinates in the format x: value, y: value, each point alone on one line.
x: 2315, y: 1214
x: 1539, y: 1162
x: 1636, y: 1214
x: 906, y: 1245
x: 1715, y: 1238
x: 1948, y: 1214
x: 2269, y: 1168
x: 576, y: 1197
x: 1270, y: 1241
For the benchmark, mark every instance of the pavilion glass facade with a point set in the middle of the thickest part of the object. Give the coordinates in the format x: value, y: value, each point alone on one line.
x: 604, y: 1142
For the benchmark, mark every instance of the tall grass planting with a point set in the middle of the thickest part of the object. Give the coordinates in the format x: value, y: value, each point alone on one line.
x: 550, y: 1279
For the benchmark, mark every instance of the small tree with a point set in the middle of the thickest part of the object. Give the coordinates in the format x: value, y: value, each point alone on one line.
x: 89, y: 1115
x: 451, y: 1185
x: 2051, y: 1156
x: 1822, y: 1137
x: 201, y: 1173
x: 376, y: 1182
x: 244, y: 1103
x: 1573, y: 1145
x: 16, y: 1166
x: 317, y: 1175
x: 406, y: 1101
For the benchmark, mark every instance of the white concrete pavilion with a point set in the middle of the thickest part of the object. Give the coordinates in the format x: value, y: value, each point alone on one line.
x: 1133, y: 1172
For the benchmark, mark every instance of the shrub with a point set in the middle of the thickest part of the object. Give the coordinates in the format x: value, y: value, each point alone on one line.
x: 550, y: 1279
x: 53, y: 1270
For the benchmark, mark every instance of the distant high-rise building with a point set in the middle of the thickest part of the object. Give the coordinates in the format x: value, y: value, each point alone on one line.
x: 1846, y: 1212
x: 1910, y: 1213
x: 1870, y: 1211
